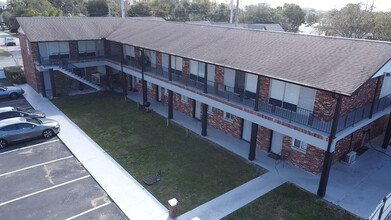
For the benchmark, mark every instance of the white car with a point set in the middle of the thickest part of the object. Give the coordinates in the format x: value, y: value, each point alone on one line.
x: 9, y: 41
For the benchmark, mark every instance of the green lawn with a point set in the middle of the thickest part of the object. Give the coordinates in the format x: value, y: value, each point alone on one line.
x: 194, y: 170
x: 290, y: 202
x: 4, y: 53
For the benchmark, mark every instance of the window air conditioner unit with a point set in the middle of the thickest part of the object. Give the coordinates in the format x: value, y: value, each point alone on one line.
x: 350, y: 158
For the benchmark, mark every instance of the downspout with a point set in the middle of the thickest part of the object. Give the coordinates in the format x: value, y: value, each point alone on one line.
x: 328, y: 157
x: 374, y: 97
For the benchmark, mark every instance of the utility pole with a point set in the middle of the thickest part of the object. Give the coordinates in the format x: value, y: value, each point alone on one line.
x: 122, y: 8
x: 231, y: 8
x: 237, y: 13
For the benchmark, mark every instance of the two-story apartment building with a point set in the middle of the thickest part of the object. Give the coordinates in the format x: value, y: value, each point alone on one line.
x: 308, y: 100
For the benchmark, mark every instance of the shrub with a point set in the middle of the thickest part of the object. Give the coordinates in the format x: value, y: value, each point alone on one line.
x: 15, y: 74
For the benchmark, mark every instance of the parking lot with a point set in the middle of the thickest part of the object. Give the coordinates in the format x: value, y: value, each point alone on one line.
x: 41, y: 179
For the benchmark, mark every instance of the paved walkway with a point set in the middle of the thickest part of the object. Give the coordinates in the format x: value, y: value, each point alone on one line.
x: 132, y: 198
x: 231, y: 201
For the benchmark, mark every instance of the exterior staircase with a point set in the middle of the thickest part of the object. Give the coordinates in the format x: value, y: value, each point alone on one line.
x: 67, y: 71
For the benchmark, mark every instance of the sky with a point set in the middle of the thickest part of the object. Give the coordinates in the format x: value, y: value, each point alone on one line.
x: 325, y: 5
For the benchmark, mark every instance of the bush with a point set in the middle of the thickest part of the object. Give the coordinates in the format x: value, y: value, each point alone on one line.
x: 15, y: 74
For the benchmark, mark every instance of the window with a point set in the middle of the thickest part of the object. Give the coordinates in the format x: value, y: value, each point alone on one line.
x: 139, y: 80
x: 54, y: 50
x: 211, y: 74
x: 28, y: 47
x: 149, y: 85
x: 90, y: 48
x: 211, y: 109
x: 166, y: 92
x: 184, y: 99
x: 299, y: 145
x: 197, y: 70
x: 229, y: 78
x: 129, y: 52
x: 151, y: 57
x: 285, y: 95
x: 176, y: 64
x: 228, y: 116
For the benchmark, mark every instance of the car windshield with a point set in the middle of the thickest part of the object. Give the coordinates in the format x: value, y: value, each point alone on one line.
x: 35, y: 121
x: 3, y: 88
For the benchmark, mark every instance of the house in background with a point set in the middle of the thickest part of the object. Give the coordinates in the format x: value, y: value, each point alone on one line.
x: 308, y: 100
x: 259, y: 27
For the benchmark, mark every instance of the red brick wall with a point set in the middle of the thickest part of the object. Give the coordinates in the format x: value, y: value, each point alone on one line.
x: 184, y: 108
x: 106, y: 45
x: 263, y: 138
x: 186, y: 67
x: 152, y: 91
x: 232, y: 128
x: 311, y: 160
x: 364, y: 96
x: 264, y: 90
x: 32, y: 75
x: 324, y: 105
x: 359, y: 137
x: 219, y: 74
x: 158, y: 61
x: 164, y: 97
x: 73, y: 49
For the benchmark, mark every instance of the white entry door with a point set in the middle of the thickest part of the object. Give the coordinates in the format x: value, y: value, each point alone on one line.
x: 277, y: 143
x: 48, y: 84
x: 197, y: 110
x: 246, y: 135
x: 159, y: 93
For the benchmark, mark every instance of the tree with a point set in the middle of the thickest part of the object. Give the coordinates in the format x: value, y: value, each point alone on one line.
x: 180, y: 13
x: 221, y: 13
x: 261, y: 13
x: 293, y: 17
x: 382, y: 28
x: 140, y: 9
x: 97, y: 8
x: 73, y: 7
x: 311, y: 17
x: 351, y: 21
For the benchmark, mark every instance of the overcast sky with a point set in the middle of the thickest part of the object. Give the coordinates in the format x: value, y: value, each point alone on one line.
x: 380, y: 5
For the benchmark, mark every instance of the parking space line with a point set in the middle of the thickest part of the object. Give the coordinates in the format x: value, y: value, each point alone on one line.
x: 43, y: 190
x: 36, y: 165
x: 90, y: 210
x: 34, y: 145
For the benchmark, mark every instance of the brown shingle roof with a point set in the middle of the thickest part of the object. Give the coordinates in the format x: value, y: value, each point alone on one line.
x: 334, y: 64
x: 40, y: 29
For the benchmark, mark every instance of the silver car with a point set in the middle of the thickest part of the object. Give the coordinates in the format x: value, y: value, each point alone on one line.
x: 11, y: 112
x: 20, y: 129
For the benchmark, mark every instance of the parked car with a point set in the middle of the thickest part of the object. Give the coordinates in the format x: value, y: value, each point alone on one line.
x: 11, y: 112
x: 20, y: 129
x: 10, y: 92
x: 9, y: 41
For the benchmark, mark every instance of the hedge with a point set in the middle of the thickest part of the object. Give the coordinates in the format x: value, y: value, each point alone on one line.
x: 15, y: 74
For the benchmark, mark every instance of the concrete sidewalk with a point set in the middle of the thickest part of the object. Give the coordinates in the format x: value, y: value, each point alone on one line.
x: 231, y: 201
x: 130, y: 196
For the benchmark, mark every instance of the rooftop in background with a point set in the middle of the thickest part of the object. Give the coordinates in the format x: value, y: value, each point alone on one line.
x: 260, y: 27
x: 339, y: 65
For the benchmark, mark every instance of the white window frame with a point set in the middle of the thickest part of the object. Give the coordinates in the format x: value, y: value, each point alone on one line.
x: 149, y: 85
x: 138, y: 80
x: 28, y: 48
x: 184, y: 99
x: 165, y: 91
x: 228, y: 117
x: 299, y: 145
x: 211, y: 110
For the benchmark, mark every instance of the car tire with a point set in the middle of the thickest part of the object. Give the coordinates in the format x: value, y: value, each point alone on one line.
x: 48, y: 133
x: 3, y: 143
x: 14, y: 95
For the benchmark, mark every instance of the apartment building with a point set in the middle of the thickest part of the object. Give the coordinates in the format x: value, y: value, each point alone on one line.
x: 308, y: 100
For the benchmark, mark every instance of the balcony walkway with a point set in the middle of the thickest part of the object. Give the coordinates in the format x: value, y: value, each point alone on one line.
x: 358, y: 188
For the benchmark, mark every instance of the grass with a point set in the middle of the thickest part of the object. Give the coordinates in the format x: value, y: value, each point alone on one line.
x: 290, y: 202
x: 5, y: 53
x: 194, y: 170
